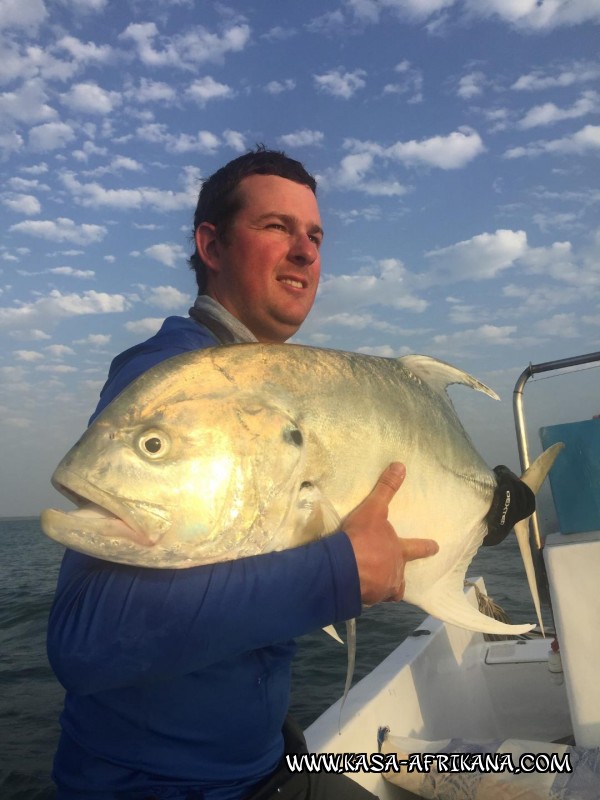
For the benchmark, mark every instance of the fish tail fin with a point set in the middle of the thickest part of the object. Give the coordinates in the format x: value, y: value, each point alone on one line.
x: 533, y: 477
x: 445, y: 602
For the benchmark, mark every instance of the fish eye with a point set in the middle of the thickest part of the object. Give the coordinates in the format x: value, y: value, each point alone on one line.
x: 294, y: 436
x: 153, y: 444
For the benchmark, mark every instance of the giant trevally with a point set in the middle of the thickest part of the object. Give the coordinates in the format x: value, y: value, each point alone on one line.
x: 234, y: 451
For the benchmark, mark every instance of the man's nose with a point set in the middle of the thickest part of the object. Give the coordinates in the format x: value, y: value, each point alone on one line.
x: 303, y: 250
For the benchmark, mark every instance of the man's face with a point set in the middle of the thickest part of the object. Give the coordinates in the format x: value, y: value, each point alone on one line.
x: 266, y: 271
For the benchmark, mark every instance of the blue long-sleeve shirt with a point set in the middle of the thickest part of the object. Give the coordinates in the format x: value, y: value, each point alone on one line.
x: 178, y: 680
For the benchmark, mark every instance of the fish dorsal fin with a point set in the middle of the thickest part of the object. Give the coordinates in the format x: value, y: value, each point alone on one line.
x: 439, y: 374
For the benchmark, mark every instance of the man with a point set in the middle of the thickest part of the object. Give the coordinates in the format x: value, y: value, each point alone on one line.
x: 178, y: 680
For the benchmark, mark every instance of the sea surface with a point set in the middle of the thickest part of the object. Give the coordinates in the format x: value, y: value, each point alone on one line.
x: 31, y: 698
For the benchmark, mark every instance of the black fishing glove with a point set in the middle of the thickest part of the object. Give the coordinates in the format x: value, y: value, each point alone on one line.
x: 513, y: 501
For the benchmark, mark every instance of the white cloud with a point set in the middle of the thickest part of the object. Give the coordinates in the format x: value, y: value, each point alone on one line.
x: 89, y: 98
x: 17, y: 14
x: 28, y: 355
x: 549, y: 113
x: 23, y: 204
x: 411, y: 81
x: 207, y: 88
x: 561, y: 325
x: 579, y: 72
x: 26, y: 184
x: 479, y: 258
x: 302, y: 138
x: 72, y: 273
x: 56, y: 369
x: 27, y: 103
x: 146, y: 326
x: 407, y: 9
x: 87, y: 6
x: 279, y: 34
x: 56, y: 306
x: 62, y: 229
x: 532, y: 15
x: 95, y: 339
x: 196, y: 46
x: 96, y: 196
x: 59, y: 350
x: 277, y: 87
x: 50, y: 136
x: 556, y: 261
x: 542, y: 298
x: 471, y: 85
x: 586, y: 140
x: 150, y: 91
x: 387, y: 285
x: 30, y: 335
x: 453, y: 151
x: 86, y: 52
x: 201, y: 142
x: 167, y: 253
x: 235, y: 140
x: 168, y: 298
x: 36, y: 169
x: 10, y: 142
x: 365, y: 10
x: 352, y: 174
x: 488, y: 334
x: 352, y: 215
x: 341, y: 84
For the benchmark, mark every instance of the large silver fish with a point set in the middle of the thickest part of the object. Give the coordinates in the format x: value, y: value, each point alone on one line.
x: 234, y: 451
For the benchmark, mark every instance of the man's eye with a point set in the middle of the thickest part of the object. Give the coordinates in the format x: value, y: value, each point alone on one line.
x: 277, y: 225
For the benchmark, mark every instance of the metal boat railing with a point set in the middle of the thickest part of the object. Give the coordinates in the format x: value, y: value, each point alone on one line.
x: 519, y: 413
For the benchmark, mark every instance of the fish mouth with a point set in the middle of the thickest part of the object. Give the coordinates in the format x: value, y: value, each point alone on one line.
x: 99, y: 512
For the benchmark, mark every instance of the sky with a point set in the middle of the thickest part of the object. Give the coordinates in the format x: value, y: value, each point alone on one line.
x: 456, y: 145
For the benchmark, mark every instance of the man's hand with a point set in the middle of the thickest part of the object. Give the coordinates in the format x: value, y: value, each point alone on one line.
x: 380, y: 554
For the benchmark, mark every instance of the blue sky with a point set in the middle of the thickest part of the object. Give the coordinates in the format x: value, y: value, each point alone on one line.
x: 456, y: 143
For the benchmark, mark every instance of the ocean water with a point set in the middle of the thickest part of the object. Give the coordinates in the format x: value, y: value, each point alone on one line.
x: 31, y: 698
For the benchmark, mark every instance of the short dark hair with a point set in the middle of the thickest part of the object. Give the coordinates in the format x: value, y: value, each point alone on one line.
x: 219, y: 201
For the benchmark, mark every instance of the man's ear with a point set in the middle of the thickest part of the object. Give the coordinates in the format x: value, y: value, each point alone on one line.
x: 208, y: 245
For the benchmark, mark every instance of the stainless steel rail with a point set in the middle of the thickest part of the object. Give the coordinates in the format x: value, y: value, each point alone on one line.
x: 519, y: 413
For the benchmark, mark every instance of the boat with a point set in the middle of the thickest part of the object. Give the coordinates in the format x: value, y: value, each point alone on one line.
x: 454, y: 715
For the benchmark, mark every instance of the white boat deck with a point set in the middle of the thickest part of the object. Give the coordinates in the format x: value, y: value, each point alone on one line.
x: 448, y: 683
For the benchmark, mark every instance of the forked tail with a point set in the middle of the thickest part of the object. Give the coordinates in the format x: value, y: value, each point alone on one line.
x: 534, y: 476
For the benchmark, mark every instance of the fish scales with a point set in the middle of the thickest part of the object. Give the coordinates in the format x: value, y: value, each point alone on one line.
x: 285, y: 441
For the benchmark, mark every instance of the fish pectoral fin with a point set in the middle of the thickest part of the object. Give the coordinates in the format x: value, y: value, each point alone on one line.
x: 450, y: 604
x: 331, y: 631
x: 318, y: 514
